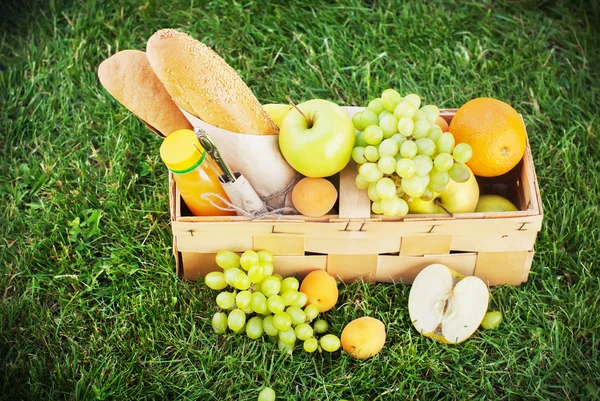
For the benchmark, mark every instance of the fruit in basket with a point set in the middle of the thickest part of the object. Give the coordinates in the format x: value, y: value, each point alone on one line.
x: 496, y: 133
x: 277, y: 112
x: 456, y: 198
x: 314, y: 197
x: 409, y: 147
x: 445, y: 305
x: 321, y: 289
x: 316, y: 138
x: 363, y: 337
x: 494, y: 203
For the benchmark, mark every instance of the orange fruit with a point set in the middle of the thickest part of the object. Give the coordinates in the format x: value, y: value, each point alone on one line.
x: 314, y: 197
x: 441, y: 122
x: 363, y: 338
x: 495, y: 132
x: 320, y: 289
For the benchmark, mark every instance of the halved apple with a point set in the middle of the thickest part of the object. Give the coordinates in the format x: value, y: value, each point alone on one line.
x: 446, y: 306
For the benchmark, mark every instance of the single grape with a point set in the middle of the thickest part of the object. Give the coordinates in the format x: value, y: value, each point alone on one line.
x: 266, y: 394
x: 360, y: 182
x: 270, y: 285
x: 371, y: 153
x: 385, y: 188
x: 413, y: 186
x: 257, y: 287
x: 321, y: 326
x: 236, y: 320
x: 409, y: 149
x: 405, y: 109
x: 387, y: 165
x: 225, y: 300
x: 219, y: 322
x: 406, y: 168
x: 215, y: 281
x: 459, y: 172
x: 242, y: 282
x: 376, y: 106
x: 286, y: 348
x: 265, y: 256
x: 394, y: 207
x: 368, y: 117
x: 388, y: 147
x: 243, y: 299
x: 431, y: 112
x: 259, y: 303
x: 434, y: 132
x: 256, y: 273
x: 427, y: 195
x: 425, y: 146
x: 275, y: 304
x: 445, y: 143
x: 438, y: 180
x: 282, y: 321
x: 279, y: 277
x: 304, y: 331
x: 419, y: 115
x: 389, y: 125
x: 491, y: 320
x: 414, y: 99
x: 267, y: 268
x: 301, y: 300
x: 248, y: 259
x: 357, y: 122
x: 311, y: 345
x: 288, y: 336
x: 399, y: 138
x: 227, y: 259
x: 406, y: 126
x: 360, y: 140
x: 290, y: 283
x: 330, y: 343
x: 462, y: 153
x: 383, y: 114
x: 311, y: 311
x: 298, y: 315
x: 443, y: 161
x: 421, y: 129
x: 390, y: 99
x: 370, y: 172
x: 376, y: 207
x: 289, y: 296
x: 254, y: 328
x: 358, y: 155
x: 423, y: 164
x: 372, y: 192
x: 269, y: 327
x: 373, y: 135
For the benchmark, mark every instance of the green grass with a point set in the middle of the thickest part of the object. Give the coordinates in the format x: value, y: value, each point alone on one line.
x: 89, y: 305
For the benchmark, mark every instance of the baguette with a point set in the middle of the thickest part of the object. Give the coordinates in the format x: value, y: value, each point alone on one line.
x: 128, y: 77
x: 204, y: 85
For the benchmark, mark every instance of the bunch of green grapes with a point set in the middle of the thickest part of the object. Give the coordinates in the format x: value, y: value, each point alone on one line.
x: 254, y: 301
x: 403, y: 154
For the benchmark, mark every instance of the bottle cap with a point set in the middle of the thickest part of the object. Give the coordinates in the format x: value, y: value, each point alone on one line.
x: 181, y: 151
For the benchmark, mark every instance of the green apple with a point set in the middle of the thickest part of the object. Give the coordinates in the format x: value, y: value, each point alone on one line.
x: 457, y: 198
x: 317, y: 138
x: 494, y: 203
x: 277, y: 112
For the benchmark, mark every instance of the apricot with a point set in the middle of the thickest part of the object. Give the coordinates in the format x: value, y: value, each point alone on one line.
x: 320, y: 289
x: 314, y: 197
x: 440, y: 122
x: 363, y: 338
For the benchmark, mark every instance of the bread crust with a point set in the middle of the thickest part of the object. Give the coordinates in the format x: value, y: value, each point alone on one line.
x: 129, y: 78
x: 203, y: 84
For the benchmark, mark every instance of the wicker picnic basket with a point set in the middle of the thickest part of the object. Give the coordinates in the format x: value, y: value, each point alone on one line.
x: 353, y: 244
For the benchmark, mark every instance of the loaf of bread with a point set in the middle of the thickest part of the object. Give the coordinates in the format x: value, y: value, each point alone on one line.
x: 129, y: 78
x: 204, y: 85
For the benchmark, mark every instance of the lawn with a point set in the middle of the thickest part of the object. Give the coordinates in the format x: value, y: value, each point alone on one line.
x: 90, y: 307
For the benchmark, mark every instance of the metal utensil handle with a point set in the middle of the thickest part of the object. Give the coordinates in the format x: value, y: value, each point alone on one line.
x: 210, y: 147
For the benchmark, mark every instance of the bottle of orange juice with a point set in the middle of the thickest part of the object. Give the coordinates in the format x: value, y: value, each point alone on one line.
x: 195, y: 173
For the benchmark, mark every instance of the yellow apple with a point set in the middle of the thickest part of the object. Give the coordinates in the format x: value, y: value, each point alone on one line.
x: 277, y: 112
x: 494, y: 203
